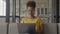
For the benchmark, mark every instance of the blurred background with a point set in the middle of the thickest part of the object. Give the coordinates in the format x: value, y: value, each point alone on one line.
x: 11, y: 11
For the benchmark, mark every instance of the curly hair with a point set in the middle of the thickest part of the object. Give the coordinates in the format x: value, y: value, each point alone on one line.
x: 31, y: 4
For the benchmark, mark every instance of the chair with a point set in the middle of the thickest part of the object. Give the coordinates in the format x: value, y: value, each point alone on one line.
x: 50, y: 28
x: 3, y: 28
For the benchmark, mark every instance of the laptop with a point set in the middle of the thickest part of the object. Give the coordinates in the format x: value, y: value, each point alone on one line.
x: 26, y: 28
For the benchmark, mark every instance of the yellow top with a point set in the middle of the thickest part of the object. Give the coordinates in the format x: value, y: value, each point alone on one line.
x: 36, y: 20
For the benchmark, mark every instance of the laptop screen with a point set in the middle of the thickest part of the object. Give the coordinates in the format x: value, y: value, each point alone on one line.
x: 26, y: 28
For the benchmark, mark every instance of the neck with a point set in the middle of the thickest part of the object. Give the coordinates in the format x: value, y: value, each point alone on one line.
x: 31, y: 16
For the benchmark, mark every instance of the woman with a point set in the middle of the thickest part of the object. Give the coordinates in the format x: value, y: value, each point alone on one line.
x: 33, y: 19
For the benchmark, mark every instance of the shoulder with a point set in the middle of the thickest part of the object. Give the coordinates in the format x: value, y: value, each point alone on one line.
x: 22, y: 20
x: 39, y: 19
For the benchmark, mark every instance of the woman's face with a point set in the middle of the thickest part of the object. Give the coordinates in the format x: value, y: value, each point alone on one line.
x: 31, y: 10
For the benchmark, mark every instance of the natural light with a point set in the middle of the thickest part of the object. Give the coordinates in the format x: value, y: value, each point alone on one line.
x: 2, y: 8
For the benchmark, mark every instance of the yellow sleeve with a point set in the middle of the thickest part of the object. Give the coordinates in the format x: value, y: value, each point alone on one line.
x: 40, y: 25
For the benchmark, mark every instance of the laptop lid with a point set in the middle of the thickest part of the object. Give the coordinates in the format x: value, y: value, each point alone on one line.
x: 26, y: 28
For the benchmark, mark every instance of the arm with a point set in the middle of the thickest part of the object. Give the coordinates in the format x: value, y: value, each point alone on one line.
x: 40, y: 26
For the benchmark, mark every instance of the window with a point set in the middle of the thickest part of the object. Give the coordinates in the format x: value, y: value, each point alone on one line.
x: 2, y: 8
x: 42, y: 11
x: 38, y: 11
x: 46, y: 12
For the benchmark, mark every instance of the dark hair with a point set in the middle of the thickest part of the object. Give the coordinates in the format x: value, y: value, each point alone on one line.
x: 31, y: 4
